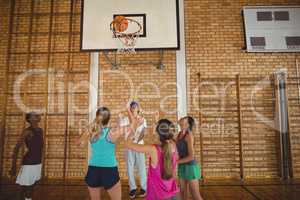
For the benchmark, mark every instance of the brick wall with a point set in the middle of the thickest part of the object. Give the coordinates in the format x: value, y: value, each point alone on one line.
x: 153, y: 88
x: 42, y: 38
x: 45, y: 36
x: 215, y: 39
x: 4, y: 18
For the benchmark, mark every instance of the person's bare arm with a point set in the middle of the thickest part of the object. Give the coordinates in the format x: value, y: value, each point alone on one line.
x: 141, y: 148
x: 143, y: 123
x: 130, y: 115
x: 20, y: 143
x: 85, y: 136
x: 142, y: 135
x: 156, y: 119
x: 116, y: 133
x: 190, y: 142
x: 156, y: 116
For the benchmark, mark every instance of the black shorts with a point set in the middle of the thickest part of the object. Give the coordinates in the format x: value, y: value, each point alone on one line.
x: 105, y: 177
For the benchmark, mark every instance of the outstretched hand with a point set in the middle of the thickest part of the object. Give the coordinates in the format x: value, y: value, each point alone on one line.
x: 78, y: 141
x: 128, y: 105
x: 121, y: 116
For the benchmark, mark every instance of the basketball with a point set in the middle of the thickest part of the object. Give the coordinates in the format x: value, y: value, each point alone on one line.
x: 120, y: 23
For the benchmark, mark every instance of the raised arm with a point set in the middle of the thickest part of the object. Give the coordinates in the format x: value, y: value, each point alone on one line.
x: 156, y: 119
x: 142, y: 135
x: 116, y: 133
x: 156, y: 116
x: 130, y: 115
x: 141, y: 148
x: 86, y: 135
x: 190, y: 142
x: 148, y: 149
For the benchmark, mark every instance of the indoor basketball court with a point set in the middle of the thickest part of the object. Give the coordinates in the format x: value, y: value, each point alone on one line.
x: 149, y: 99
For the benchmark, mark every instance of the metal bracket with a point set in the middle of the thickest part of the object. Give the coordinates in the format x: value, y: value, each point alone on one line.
x: 160, y: 65
x: 113, y: 62
x: 115, y: 65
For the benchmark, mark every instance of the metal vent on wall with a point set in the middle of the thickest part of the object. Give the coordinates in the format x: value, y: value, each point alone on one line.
x: 264, y: 16
x: 293, y: 42
x: 281, y: 15
x: 258, y: 42
x: 278, y: 16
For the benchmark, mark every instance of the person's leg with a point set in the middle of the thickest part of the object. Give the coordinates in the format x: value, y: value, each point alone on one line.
x: 130, y: 169
x: 115, y: 193
x: 194, y: 188
x: 95, y: 193
x: 21, y: 194
x: 140, y: 161
x: 183, y: 189
x: 27, y: 192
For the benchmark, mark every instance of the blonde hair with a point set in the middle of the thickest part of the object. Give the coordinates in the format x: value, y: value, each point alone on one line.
x: 165, y: 130
x: 96, y: 126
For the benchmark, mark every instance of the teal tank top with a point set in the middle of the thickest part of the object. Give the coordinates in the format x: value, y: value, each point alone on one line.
x: 103, y: 151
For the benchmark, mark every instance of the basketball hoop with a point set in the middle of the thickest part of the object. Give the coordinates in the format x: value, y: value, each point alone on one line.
x: 127, y: 31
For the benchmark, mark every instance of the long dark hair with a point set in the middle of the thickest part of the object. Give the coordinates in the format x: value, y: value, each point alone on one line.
x: 191, y: 123
x: 165, y: 129
x: 29, y: 115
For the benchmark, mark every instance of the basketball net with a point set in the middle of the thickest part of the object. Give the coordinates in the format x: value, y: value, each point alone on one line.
x: 127, y: 41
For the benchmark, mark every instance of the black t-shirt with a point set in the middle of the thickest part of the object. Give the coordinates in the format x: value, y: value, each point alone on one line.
x: 34, y: 143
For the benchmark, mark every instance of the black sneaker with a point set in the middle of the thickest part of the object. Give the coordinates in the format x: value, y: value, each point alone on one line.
x: 132, y: 194
x: 142, y: 193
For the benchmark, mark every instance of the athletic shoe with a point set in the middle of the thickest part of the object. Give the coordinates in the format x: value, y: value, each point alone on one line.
x: 132, y: 194
x: 142, y: 193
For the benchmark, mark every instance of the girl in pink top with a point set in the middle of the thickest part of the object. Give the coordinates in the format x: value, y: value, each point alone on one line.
x: 161, y: 181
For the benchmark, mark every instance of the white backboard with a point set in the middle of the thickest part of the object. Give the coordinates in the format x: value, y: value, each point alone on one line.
x: 159, y: 20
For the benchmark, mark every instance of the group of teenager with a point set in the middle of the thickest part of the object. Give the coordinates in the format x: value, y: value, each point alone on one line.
x: 169, y: 158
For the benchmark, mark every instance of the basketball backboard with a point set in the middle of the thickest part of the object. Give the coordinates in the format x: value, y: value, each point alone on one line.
x: 159, y: 20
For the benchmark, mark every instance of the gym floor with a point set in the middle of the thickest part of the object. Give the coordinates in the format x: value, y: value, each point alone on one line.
x: 210, y: 191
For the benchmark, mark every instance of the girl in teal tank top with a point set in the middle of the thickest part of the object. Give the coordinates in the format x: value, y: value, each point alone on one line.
x: 103, y: 151
x: 103, y: 168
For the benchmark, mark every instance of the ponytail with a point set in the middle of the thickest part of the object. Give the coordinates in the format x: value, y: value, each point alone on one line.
x: 167, y: 171
x: 105, y: 115
x: 191, y: 123
x: 96, y: 128
x: 165, y: 130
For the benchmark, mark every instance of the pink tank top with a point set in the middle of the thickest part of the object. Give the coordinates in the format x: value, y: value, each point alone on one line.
x: 157, y: 187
